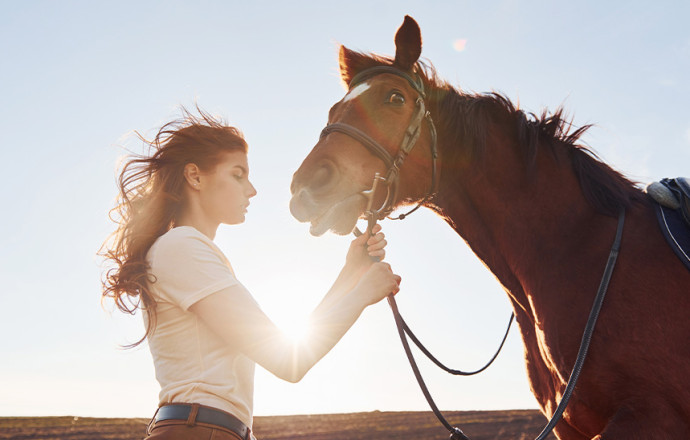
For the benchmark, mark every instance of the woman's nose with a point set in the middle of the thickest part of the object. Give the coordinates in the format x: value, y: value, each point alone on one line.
x: 252, y: 191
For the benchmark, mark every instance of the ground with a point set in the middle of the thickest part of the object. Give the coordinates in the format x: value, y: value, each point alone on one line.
x: 478, y: 425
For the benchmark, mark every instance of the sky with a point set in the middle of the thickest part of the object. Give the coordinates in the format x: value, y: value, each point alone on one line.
x: 78, y: 77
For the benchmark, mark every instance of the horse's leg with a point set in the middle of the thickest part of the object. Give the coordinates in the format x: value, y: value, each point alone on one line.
x: 652, y: 419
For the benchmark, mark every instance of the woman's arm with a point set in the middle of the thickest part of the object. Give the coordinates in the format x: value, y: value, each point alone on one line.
x: 234, y: 315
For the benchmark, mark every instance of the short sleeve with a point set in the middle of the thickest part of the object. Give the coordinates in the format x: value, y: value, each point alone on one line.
x: 187, y: 267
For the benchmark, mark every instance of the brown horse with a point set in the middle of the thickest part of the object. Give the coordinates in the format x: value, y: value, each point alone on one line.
x: 541, y: 212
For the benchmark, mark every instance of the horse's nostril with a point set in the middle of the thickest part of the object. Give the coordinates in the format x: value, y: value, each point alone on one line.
x: 323, y: 177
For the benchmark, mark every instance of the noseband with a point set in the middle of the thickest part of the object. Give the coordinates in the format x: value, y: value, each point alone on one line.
x: 393, y: 163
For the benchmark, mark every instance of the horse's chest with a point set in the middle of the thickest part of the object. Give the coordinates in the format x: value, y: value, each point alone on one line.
x: 549, y: 354
x: 546, y: 369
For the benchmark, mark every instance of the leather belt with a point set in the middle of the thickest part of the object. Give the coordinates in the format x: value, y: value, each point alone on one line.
x: 204, y: 414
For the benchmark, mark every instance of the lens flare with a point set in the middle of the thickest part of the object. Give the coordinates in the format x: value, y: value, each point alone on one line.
x: 459, y: 44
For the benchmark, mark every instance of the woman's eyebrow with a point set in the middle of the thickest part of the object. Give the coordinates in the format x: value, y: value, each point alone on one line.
x: 244, y: 170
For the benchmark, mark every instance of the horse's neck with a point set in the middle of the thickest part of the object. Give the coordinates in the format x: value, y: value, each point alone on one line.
x: 518, y: 222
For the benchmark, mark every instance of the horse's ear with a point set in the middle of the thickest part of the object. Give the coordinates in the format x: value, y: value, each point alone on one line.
x: 349, y: 62
x: 408, y: 44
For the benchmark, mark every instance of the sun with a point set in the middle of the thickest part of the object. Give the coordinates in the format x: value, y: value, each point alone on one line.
x: 297, y: 329
x: 293, y: 322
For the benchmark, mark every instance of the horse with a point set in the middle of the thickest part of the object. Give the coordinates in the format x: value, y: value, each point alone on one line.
x: 540, y: 210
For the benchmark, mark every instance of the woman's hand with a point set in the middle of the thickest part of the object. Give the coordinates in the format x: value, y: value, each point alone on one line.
x: 364, y: 247
x: 365, y: 276
x: 377, y: 283
x: 375, y: 280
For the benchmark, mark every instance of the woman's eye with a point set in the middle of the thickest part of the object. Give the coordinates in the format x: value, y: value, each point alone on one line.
x: 395, y: 98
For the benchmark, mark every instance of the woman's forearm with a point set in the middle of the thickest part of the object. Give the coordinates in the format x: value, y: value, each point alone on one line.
x: 344, y: 283
x: 238, y: 320
x: 327, y: 325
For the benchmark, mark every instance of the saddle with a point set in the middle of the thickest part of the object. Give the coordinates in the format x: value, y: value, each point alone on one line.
x: 672, y: 197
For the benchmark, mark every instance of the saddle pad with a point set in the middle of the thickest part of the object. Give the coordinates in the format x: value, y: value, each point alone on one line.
x: 675, y: 231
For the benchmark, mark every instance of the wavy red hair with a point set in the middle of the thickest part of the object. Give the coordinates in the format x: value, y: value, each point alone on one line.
x: 151, y: 197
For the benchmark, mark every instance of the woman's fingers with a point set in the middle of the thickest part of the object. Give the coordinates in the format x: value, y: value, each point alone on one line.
x: 380, y: 254
x: 377, y: 249
x: 376, y: 243
x: 380, y: 281
x: 375, y: 239
x: 375, y: 236
x: 377, y: 246
x: 396, y: 289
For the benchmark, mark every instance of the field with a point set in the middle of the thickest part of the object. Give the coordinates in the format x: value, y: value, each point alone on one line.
x: 478, y: 425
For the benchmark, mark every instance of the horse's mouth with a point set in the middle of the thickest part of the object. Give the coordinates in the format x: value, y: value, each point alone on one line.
x: 341, y: 217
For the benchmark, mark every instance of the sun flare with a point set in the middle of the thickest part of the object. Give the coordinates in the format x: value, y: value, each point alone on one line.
x: 297, y: 331
x: 295, y: 327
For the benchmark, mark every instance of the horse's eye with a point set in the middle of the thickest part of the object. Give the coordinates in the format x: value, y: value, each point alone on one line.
x: 395, y: 98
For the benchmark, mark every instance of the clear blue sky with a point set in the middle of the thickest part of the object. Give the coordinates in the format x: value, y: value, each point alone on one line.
x: 77, y: 77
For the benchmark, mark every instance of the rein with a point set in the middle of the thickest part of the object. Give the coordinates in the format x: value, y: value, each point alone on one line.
x: 455, y: 432
x: 391, y: 180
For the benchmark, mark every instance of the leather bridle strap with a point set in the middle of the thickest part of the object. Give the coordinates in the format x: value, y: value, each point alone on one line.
x: 415, y: 83
x: 361, y: 137
x: 411, y: 136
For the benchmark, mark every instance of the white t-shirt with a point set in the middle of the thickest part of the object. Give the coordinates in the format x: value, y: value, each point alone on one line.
x: 192, y: 363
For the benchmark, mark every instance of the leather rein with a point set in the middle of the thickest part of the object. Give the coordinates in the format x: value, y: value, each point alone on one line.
x: 391, y: 181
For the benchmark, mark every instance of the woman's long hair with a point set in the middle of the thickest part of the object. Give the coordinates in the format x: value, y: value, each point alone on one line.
x: 151, y: 197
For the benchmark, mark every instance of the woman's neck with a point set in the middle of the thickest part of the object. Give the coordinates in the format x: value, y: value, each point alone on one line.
x: 199, y: 222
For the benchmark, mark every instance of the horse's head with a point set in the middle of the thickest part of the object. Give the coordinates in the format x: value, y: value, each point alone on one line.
x: 381, y: 115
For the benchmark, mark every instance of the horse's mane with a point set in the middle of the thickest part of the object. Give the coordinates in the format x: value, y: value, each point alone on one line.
x: 464, y: 119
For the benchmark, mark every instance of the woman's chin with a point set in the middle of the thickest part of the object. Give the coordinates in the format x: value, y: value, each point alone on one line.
x: 235, y: 220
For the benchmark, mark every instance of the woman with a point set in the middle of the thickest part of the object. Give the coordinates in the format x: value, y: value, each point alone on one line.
x: 204, y: 329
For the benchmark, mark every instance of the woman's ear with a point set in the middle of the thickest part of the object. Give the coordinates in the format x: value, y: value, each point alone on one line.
x: 192, y: 175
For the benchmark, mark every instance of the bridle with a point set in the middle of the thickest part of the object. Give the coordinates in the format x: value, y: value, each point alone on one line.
x: 393, y: 163
x: 391, y: 180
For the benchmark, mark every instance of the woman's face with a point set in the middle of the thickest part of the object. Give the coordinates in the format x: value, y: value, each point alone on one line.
x: 226, y: 190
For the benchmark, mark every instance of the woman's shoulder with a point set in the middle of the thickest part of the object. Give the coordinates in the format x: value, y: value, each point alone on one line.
x: 180, y: 239
x: 182, y: 233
